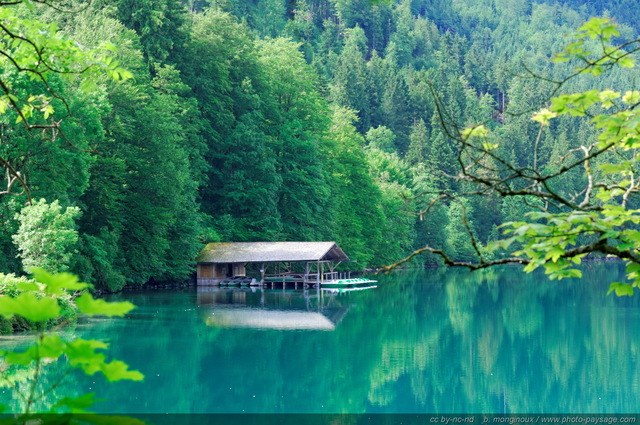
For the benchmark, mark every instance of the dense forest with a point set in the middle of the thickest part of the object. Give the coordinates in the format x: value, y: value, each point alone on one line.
x: 281, y: 120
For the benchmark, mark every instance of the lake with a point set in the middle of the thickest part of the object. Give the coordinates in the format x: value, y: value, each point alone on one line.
x: 427, y: 341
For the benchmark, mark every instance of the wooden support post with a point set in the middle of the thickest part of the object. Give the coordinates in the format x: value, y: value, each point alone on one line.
x: 262, y: 272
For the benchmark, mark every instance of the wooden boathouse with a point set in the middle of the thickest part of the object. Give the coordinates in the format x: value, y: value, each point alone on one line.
x: 286, y: 262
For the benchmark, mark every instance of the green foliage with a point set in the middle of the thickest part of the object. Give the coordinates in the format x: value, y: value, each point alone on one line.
x: 349, y: 83
x: 9, y: 284
x: 41, y: 50
x: 221, y: 67
x: 30, y: 307
x: 227, y: 130
x: 297, y: 122
x: 457, y: 231
x: 23, y: 289
x: 358, y: 219
x: 47, y: 235
x: 381, y: 138
x: 158, y: 23
x: 39, y: 302
x: 86, y: 304
x: 604, y: 219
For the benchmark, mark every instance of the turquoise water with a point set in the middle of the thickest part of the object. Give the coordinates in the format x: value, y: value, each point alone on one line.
x: 434, y: 341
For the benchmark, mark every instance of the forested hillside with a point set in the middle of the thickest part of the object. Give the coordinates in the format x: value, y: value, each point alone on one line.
x: 280, y: 120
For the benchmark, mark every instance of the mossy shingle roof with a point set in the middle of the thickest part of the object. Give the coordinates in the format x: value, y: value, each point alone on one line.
x: 270, y: 252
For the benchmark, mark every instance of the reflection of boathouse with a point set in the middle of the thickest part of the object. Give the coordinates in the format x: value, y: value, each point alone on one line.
x: 286, y: 262
x: 258, y: 308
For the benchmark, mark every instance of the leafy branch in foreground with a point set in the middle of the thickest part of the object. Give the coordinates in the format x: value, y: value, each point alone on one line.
x: 39, y: 51
x: 601, y: 215
x: 38, y: 303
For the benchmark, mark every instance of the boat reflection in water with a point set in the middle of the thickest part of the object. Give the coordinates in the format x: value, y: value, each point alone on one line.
x: 279, y: 309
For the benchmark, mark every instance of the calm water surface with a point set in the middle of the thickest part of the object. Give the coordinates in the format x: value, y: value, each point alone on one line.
x: 435, y: 341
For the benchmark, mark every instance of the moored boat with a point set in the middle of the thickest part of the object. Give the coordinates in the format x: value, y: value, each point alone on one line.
x: 348, y: 283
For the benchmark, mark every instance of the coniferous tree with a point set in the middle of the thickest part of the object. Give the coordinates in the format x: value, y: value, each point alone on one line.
x: 418, y: 151
x: 158, y: 23
x: 349, y: 85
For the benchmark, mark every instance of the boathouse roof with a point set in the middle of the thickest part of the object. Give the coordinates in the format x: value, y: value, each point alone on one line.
x: 270, y: 252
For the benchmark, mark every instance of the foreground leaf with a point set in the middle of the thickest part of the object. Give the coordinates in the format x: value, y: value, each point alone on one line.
x: 58, y: 283
x: 29, y: 306
x: 118, y: 370
x: 78, y: 404
x: 621, y: 289
x: 49, y: 347
x: 89, y: 305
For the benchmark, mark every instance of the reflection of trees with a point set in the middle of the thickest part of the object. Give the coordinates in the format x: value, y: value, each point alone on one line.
x: 499, y: 344
x: 461, y: 296
x: 441, y: 341
x: 513, y: 343
x: 435, y: 341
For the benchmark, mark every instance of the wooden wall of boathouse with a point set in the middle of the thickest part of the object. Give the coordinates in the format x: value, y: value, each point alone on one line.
x: 212, y: 273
